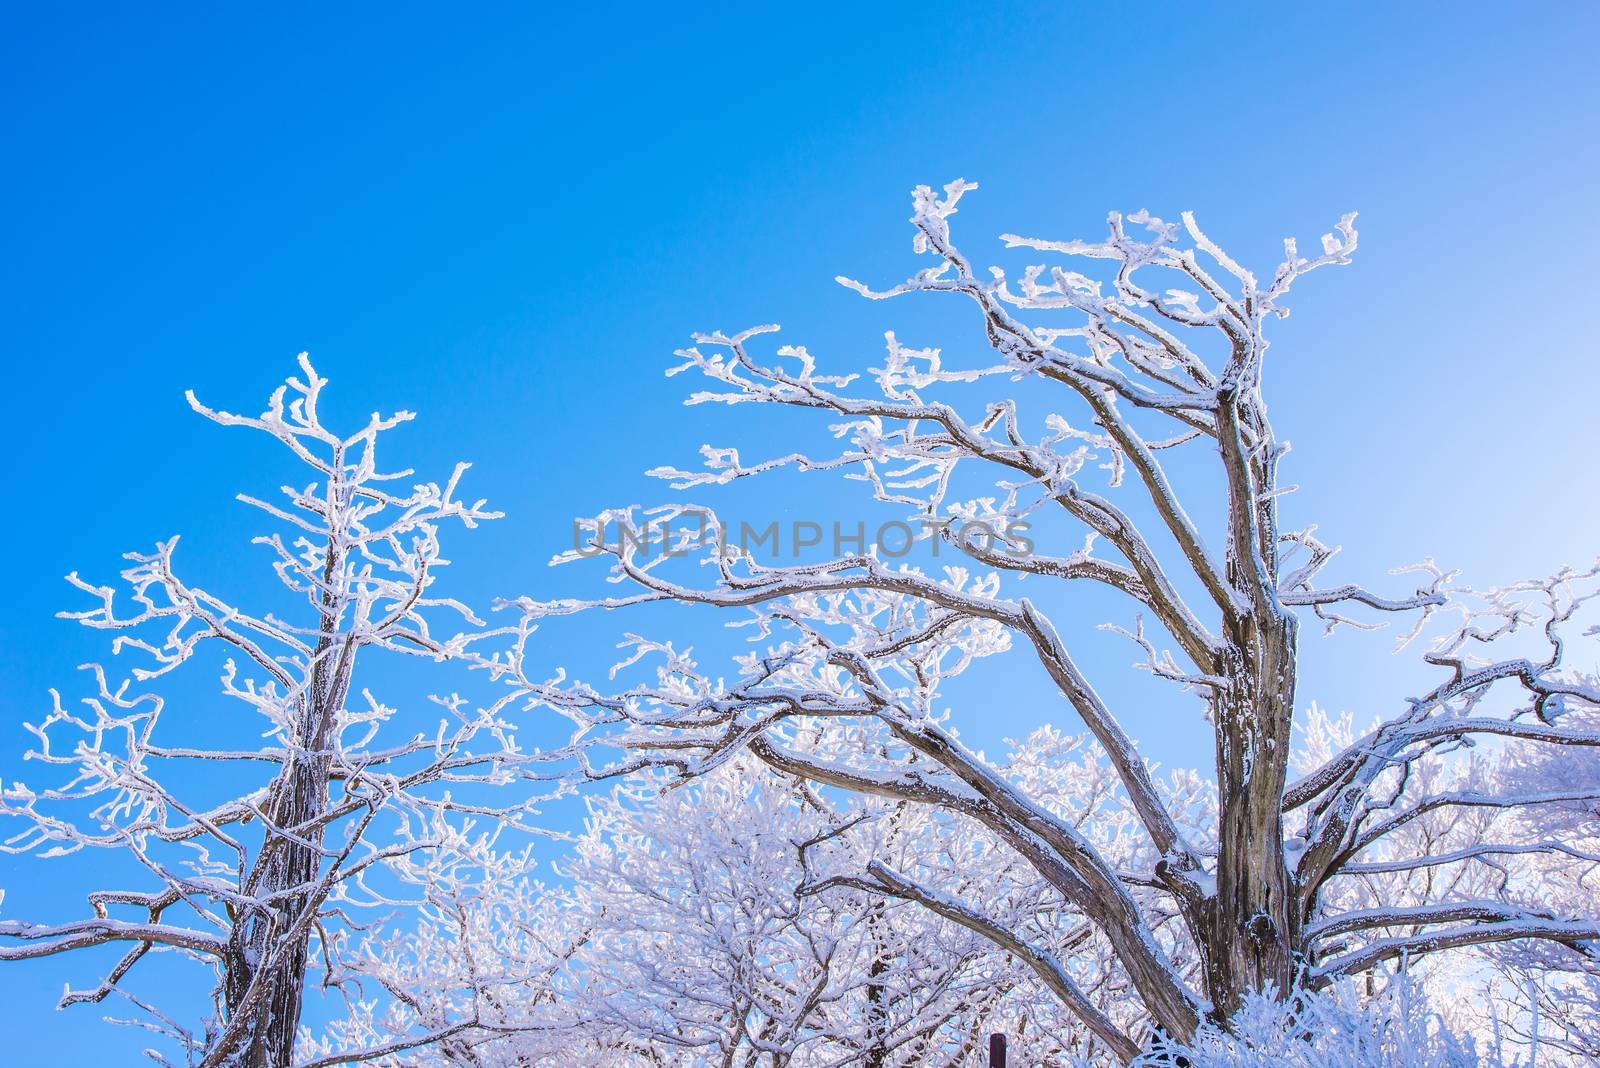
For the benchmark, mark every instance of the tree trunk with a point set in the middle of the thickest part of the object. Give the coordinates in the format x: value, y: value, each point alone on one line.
x: 1254, y: 926
x: 877, y: 1054
x: 269, y: 948
x: 267, y: 964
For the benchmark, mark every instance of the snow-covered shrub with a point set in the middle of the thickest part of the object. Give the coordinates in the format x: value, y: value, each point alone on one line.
x: 1335, y: 1028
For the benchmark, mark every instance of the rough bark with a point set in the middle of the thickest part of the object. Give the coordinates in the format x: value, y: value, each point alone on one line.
x: 266, y: 973
x: 1255, y: 930
x: 269, y: 952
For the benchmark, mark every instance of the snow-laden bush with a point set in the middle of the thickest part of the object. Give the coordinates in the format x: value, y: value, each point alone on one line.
x: 1336, y: 1027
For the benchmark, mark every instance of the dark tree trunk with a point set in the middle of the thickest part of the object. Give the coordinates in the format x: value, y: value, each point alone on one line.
x: 266, y: 972
x: 877, y: 1054
x: 1255, y: 925
x: 269, y: 949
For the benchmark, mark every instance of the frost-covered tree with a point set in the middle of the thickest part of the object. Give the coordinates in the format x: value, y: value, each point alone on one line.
x: 1394, y: 1028
x: 1115, y: 443
x: 1547, y: 994
x: 253, y: 838
x: 721, y: 923
x: 469, y: 980
x: 1538, y: 996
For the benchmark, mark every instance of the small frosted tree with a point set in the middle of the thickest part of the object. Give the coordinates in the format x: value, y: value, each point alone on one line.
x: 722, y: 923
x: 1547, y: 994
x: 253, y: 859
x: 1122, y: 403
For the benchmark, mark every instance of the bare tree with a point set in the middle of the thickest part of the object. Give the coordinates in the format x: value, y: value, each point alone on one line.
x: 1160, y: 356
x: 253, y: 855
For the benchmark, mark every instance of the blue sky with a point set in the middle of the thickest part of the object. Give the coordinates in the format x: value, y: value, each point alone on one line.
x: 507, y: 218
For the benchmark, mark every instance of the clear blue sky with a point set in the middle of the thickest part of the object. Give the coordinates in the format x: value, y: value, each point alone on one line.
x: 506, y: 219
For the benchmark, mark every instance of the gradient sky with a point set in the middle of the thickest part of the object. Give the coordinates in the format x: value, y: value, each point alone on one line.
x: 507, y: 218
